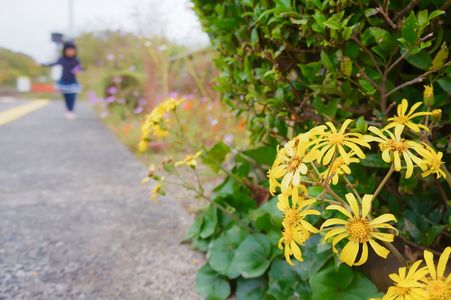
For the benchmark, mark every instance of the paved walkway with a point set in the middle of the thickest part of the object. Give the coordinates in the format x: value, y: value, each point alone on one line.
x: 75, y: 222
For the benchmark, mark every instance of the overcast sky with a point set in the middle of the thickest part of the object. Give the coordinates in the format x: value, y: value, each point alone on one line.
x: 25, y: 25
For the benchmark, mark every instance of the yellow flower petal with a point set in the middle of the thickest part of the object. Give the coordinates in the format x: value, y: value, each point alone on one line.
x: 349, y: 253
x: 353, y: 203
x: 363, y: 256
x: 385, y: 237
x: 366, y: 205
x: 334, y: 221
x: 383, y: 219
x: 340, y: 209
x: 443, y: 262
x: 429, y: 258
x: 381, y: 251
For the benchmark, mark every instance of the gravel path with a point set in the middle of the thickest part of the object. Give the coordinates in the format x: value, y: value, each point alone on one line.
x: 75, y: 222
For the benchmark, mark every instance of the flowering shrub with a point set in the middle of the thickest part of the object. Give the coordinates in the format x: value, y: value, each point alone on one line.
x: 368, y: 196
x: 345, y: 186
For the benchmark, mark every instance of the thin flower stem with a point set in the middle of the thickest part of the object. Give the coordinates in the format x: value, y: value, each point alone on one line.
x: 316, y: 171
x: 351, y: 186
x: 383, y: 182
x: 335, y: 196
x: 448, y: 175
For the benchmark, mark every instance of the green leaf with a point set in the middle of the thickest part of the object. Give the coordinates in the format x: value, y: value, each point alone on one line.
x: 285, y: 283
x: 383, y: 38
x: 435, y: 14
x: 254, y: 36
x: 215, y: 156
x: 366, y: 85
x: 361, y: 125
x: 341, y: 284
x: 333, y: 22
x: 445, y: 84
x: 409, y: 29
x: 422, y: 60
x: 250, y: 289
x: 325, y: 60
x: 194, y: 230
x: 374, y: 160
x: 211, y: 285
x: 331, y: 108
x: 222, y: 250
x: 428, y: 237
x: 351, y: 49
x: 209, y: 223
x: 310, y: 71
x: 252, y: 257
x: 346, y: 66
x: 370, y: 12
x: 263, y: 155
x: 440, y: 57
x: 316, y: 254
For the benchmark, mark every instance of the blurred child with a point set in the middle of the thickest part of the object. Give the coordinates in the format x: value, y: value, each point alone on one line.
x: 68, y: 84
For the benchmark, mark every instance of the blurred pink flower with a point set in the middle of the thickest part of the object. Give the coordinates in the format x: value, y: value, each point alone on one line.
x: 110, y: 56
x: 110, y: 99
x: 112, y: 90
x: 228, y: 139
x: 214, y: 122
x: 139, y: 110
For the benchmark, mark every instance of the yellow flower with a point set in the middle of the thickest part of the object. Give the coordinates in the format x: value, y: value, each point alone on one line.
x: 154, y: 123
x: 333, y: 142
x: 143, y: 145
x: 296, y: 193
x: 338, y: 168
x: 292, y: 236
x: 294, y: 215
x: 403, y: 119
x: 438, y: 285
x: 189, y: 160
x: 273, y: 183
x: 290, y: 162
x: 359, y: 230
x: 436, y: 115
x: 407, y: 286
x: 428, y: 95
x: 394, y: 147
x: 432, y: 162
x: 157, y: 190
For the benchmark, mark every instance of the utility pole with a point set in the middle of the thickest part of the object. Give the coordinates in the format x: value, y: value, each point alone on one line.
x: 71, y: 20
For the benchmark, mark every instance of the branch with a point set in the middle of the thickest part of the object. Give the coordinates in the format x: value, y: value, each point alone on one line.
x: 373, y: 59
x: 386, y: 17
x: 415, y: 80
x: 406, y: 10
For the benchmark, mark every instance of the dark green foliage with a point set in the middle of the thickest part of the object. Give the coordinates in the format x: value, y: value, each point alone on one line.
x: 289, y: 65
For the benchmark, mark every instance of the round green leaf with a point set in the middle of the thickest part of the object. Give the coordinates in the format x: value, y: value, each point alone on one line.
x: 250, y: 289
x: 222, y: 250
x: 252, y: 257
x: 211, y: 285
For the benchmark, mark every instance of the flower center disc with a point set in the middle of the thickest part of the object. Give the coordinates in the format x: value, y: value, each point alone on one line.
x: 294, y: 163
x: 359, y: 230
x: 292, y: 216
x: 401, y: 119
x: 438, y: 290
x: 399, y: 146
x: 336, y: 138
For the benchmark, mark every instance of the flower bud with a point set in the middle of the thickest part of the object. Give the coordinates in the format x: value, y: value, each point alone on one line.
x: 436, y: 115
x: 428, y: 95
